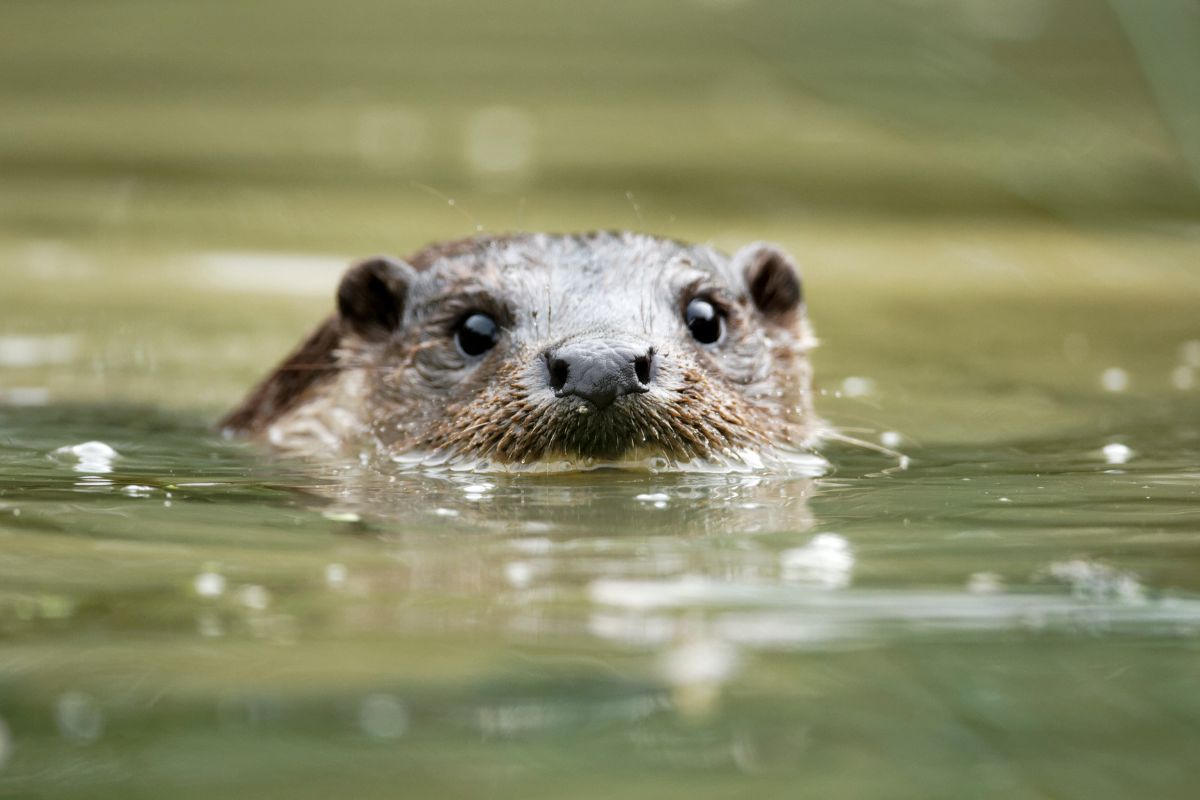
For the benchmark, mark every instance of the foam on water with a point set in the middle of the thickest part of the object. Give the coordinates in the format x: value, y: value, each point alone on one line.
x: 799, y: 463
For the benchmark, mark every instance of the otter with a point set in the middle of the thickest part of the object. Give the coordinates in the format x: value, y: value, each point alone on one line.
x: 527, y: 349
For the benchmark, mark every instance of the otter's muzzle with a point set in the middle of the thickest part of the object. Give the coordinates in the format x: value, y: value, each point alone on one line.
x: 600, y: 371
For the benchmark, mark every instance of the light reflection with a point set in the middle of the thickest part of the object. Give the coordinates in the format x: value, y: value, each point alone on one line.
x: 1117, y: 453
x: 1114, y: 379
x: 209, y: 584
x: 500, y: 141
x: 36, y: 351
x: 1184, y: 378
x: 696, y: 669
x: 383, y: 716
x: 335, y: 576
x: 6, y: 743
x: 826, y: 561
x: 254, y: 597
x: 1090, y: 580
x: 79, y: 717
x: 95, y: 458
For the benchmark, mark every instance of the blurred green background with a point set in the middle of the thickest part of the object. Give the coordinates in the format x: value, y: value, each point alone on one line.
x: 310, y: 125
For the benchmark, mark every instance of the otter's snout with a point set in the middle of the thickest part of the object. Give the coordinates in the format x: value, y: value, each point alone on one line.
x: 600, y: 371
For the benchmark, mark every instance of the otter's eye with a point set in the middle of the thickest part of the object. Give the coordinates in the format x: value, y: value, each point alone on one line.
x: 476, y: 334
x: 704, y: 320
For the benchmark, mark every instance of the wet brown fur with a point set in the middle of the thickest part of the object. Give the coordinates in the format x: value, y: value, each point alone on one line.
x: 416, y: 396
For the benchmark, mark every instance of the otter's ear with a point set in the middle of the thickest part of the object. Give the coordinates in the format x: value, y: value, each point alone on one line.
x: 771, y: 276
x: 371, y: 297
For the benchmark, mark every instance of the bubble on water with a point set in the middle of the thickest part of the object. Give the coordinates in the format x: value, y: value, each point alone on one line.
x: 136, y: 490
x: 856, y: 386
x: 891, y: 439
x: 6, y: 743
x: 91, y: 457
x: 477, y: 488
x: 445, y: 512
x: 209, y: 584
x: 79, y: 717
x: 341, y: 516
x: 500, y: 141
x: 827, y: 560
x: 1116, y: 453
x: 654, y: 497
x: 335, y: 576
x: 518, y: 574
x: 383, y: 716
x: 254, y: 597
x: 1183, y: 378
x: 1189, y: 351
x: 985, y: 583
x: 1114, y: 379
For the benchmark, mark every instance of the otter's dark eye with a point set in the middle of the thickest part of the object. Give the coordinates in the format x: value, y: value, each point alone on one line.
x: 476, y: 334
x: 704, y: 320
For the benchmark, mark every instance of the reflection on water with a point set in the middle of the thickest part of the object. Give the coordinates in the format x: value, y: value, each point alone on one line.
x: 753, y: 625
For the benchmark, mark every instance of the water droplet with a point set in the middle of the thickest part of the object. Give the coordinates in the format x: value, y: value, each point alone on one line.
x: 1116, y: 453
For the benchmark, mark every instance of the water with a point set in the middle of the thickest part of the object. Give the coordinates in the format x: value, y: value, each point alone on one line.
x: 1017, y: 616
x: 999, y: 247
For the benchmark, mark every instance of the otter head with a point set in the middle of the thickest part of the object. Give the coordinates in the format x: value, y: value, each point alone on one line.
x: 599, y: 347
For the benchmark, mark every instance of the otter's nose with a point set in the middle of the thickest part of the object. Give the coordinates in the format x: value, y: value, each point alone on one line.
x: 599, y: 371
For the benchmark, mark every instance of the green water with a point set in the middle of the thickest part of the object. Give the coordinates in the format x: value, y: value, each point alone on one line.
x: 998, y: 236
